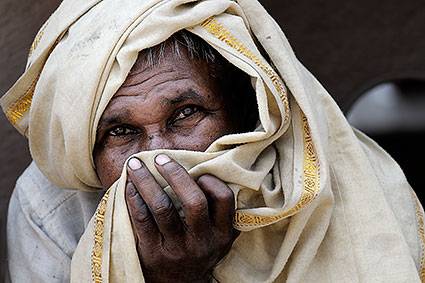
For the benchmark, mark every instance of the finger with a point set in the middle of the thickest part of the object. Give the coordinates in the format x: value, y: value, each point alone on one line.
x: 194, y: 202
x: 158, y: 202
x: 221, y: 201
x: 144, y: 226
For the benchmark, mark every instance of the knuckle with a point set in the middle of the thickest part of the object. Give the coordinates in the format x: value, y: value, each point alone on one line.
x: 163, y: 207
x: 176, y: 171
x: 143, y: 209
x: 141, y: 216
x: 141, y: 219
x: 131, y: 191
x: 142, y: 174
x: 225, y: 195
x: 196, y: 203
x: 204, y: 179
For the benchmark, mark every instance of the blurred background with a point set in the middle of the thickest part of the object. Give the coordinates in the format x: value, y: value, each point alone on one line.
x: 369, y: 54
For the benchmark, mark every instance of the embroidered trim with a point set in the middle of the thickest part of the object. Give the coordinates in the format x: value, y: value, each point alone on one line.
x: 311, y: 183
x: 311, y: 176
x: 99, y: 225
x: 421, y: 234
x: 37, y: 39
x: 219, y: 31
x: 17, y: 110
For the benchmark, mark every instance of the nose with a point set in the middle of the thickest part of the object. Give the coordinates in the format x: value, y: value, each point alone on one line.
x: 157, y: 141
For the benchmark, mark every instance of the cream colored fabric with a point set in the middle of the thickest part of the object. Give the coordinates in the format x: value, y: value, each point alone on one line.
x: 311, y: 193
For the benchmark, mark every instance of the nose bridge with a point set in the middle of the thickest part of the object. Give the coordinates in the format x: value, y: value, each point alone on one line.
x: 156, y: 139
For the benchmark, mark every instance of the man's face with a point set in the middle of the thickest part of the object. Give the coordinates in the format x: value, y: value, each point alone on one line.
x: 173, y: 105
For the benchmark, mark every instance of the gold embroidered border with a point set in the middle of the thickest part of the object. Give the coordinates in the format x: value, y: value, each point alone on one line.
x: 311, y: 183
x: 421, y: 234
x: 37, y: 39
x: 99, y: 225
x: 220, y: 32
x: 17, y: 110
x: 311, y: 180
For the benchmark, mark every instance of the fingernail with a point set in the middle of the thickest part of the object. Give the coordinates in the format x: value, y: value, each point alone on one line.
x: 134, y: 163
x: 162, y: 159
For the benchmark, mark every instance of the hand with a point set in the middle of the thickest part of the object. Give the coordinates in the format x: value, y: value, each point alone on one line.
x: 171, y: 248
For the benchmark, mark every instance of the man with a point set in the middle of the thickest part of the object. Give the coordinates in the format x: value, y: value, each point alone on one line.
x: 170, y: 129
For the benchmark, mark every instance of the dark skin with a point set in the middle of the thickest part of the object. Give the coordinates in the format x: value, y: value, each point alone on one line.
x: 174, y: 105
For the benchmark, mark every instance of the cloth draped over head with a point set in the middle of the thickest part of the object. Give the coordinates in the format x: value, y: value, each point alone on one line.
x: 311, y: 191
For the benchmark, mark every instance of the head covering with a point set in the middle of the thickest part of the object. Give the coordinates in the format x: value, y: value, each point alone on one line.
x: 310, y: 190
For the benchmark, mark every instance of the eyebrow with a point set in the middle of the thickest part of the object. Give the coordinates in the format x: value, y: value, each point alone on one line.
x: 182, y: 97
x: 115, y: 118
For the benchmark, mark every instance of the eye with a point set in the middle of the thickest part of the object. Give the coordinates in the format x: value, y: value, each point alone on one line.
x: 122, y: 131
x: 185, y: 112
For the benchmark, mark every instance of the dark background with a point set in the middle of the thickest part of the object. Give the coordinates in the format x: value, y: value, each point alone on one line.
x: 350, y: 46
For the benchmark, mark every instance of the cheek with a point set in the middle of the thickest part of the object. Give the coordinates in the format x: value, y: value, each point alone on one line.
x: 109, y: 163
x: 205, y: 133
